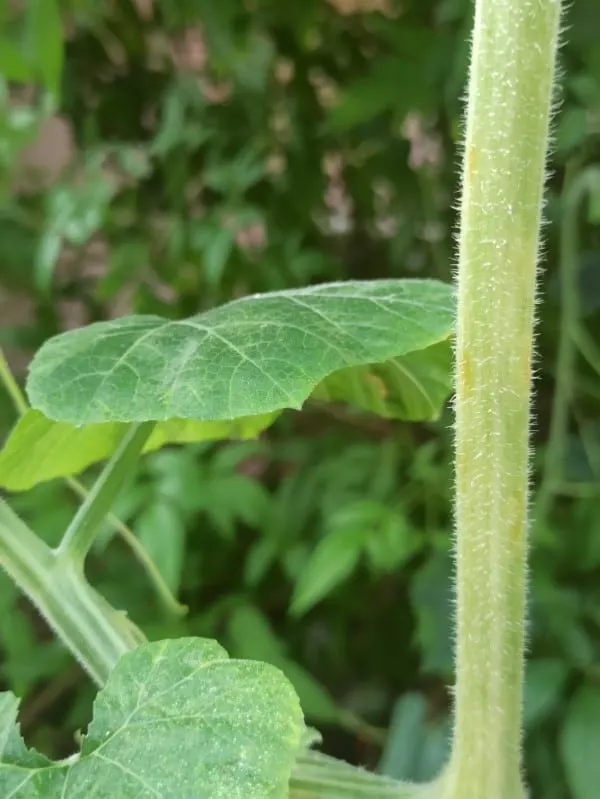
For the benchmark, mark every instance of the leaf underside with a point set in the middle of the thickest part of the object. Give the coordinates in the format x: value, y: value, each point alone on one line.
x: 39, y: 449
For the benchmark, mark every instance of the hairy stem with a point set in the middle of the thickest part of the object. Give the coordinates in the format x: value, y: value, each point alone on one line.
x: 83, y: 530
x: 509, y: 103
x: 96, y: 634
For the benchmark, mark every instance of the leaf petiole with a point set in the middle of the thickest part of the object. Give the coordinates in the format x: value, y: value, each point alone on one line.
x: 162, y: 589
x: 96, y: 634
x: 82, y: 531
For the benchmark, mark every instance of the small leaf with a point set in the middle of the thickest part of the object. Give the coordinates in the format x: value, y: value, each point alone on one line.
x: 33, y: 52
x: 161, y: 530
x: 253, y: 639
x: 46, y: 259
x: 234, y: 498
x: 404, y: 738
x: 377, y: 93
x: 545, y: 680
x: 431, y: 600
x: 39, y: 449
x: 580, y: 743
x: 177, y: 719
x: 572, y: 129
x: 417, y: 745
x: 390, y: 539
x: 44, y: 40
x: 333, y: 560
x: 252, y: 356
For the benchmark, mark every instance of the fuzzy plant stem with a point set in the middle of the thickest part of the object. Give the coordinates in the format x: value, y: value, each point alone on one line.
x: 95, y: 633
x: 83, y: 530
x: 509, y: 105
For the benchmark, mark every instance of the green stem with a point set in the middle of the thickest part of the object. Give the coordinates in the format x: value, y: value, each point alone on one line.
x: 11, y: 386
x: 587, y: 348
x: 575, y: 191
x: 509, y: 102
x: 82, y: 531
x: 317, y: 776
x: 160, y: 586
x: 162, y: 589
x: 96, y: 634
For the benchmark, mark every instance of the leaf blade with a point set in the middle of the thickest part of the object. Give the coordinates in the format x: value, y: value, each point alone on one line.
x: 176, y: 720
x: 252, y: 356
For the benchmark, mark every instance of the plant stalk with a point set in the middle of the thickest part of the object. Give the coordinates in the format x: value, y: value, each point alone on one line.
x: 509, y: 105
x: 317, y: 776
x: 12, y: 387
x: 96, y: 634
x: 162, y: 589
x: 82, y: 531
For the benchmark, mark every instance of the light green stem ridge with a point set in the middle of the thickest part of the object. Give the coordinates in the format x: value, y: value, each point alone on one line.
x: 162, y: 589
x: 96, y: 634
x: 82, y: 531
x: 318, y: 776
x: 509, y: 104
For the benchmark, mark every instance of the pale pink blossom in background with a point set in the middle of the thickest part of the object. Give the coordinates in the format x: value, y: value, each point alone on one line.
x: 253, y: 237
x: 189, y: 50
x: 42, y: 163
x: 216, y: 93
x: 145, y: 8
x: 425, y: 146
x: 284, y: 71
x: 349, y: 7
x: 337, y: 200
x: 325, y: 88
x: 276, y: 164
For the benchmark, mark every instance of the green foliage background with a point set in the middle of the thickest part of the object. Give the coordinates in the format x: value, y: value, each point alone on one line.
x: 189, y: 152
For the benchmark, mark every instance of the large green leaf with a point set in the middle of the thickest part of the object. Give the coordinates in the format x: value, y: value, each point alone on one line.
x: 252, y: 356
x: 176, y: 720
x: 39, y: 449
x: 412, y: 388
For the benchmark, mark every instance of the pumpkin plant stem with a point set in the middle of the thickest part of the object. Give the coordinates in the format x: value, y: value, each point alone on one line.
x: 96, y: 634
x: 509, y: 104
x: 82, y: 531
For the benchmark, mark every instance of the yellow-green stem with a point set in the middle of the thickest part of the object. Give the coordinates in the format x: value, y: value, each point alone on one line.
x: 83, y: 530
x: 509, y: 103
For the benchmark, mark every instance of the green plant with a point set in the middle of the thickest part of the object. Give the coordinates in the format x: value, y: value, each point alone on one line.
x: 135, y: 372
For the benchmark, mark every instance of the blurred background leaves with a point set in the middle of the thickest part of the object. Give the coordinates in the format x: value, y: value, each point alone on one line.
x: 173, y: 156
